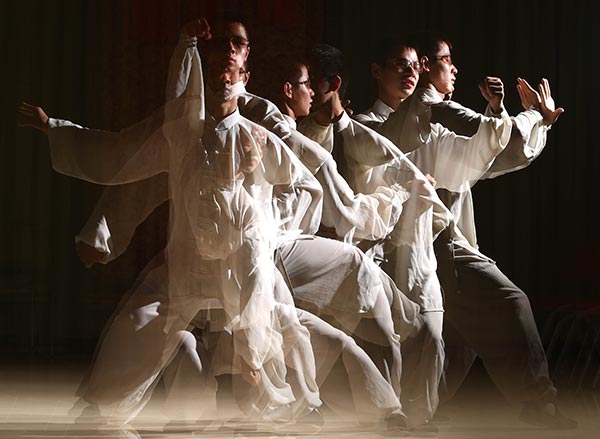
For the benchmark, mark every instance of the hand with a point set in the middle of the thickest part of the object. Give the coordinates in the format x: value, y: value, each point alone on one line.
x: 251, y: 376
x: 345, y: 105
x: 32, y: 116
x: 89, y: 255
x: 547, y: 106
x: 331, y: 111
x: 420, y: 187
x: 541, y: 101
x: 529, y: 97
x: 197, y: 28
x: 492, y: 90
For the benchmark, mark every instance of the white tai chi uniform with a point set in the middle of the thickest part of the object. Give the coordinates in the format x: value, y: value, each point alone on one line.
x: 327, y: 276
x: 371, y: 161
x: 222, y: 236
x: 486, y: 314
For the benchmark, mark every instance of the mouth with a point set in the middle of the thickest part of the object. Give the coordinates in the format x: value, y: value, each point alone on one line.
x: 409, y: 82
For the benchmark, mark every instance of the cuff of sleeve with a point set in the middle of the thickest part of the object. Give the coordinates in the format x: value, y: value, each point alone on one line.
x: 343, y: 123
x: 99, y: 238
x: 489, y: 112
x: 56, y: 123
x: 187, y: 41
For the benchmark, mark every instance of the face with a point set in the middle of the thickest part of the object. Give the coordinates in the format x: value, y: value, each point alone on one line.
x: 441, y: 72
x: 321, y: 88
x: 227, y: 53
x: 301, y: 94
x: 398, y: 77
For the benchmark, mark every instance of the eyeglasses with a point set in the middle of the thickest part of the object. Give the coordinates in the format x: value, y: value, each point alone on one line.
x: 403, y: 64
x: 444, y: 58
x: 236, y: 40
x: 305, y: 82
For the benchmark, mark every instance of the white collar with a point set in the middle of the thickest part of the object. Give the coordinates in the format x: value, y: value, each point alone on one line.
x: 382, y: 108
x: 290, y: 120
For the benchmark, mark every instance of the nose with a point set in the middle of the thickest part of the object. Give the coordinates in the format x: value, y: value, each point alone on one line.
x: 454, y: 69
x: 311, y: 92
x: 413, y: 72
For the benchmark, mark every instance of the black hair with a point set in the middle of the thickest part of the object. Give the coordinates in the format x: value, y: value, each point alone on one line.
x: 328, y: 60
x: 330, y: 63
x: 283, y: 69
x: 386, y: 46
x: 430, y: 44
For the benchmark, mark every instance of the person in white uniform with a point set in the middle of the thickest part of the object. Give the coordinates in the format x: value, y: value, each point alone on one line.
x: 362, y: 154
x: 315, y: 281
x: 484, y: 308
x: 236, y: 193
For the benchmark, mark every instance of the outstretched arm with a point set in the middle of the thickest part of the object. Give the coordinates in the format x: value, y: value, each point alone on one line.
x: 97, y: 156
x: 528, y: 137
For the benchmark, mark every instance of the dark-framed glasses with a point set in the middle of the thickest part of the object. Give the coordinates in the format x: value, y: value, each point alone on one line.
x: 447, y: 58
x: 403, y: 64
x: 305, y: 82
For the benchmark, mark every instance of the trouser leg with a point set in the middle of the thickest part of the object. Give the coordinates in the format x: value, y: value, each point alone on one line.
x: 494, y: 317
x: 299, y: 359
x: 190, y: 388
x: 423, y: 357
x: 331, y: 277
x: 459, y: 358
x: 131, y: 358
x: 349, y: 380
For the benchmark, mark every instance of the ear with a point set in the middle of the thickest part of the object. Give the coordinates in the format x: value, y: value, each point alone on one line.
x: 376, y: 70
x: 425, y: 63
x: 247, y: 77
x: 247, y: 53
x: 335, y: 83
x: 287, y: 90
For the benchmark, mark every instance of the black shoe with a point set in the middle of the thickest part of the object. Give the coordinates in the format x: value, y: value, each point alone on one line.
x: 396, y: 421
x: 546, y: 415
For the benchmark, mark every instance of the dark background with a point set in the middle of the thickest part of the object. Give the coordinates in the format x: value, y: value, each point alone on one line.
x: 103, y: 64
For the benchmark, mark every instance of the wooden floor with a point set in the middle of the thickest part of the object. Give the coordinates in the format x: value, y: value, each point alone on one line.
x: 36, y: 399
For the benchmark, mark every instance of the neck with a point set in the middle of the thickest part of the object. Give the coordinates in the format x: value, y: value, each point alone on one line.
x: 330, y: 111
x: 430, y: 86
x: 392, y: 102
x: 287, y: 110
x: 220, y: 109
